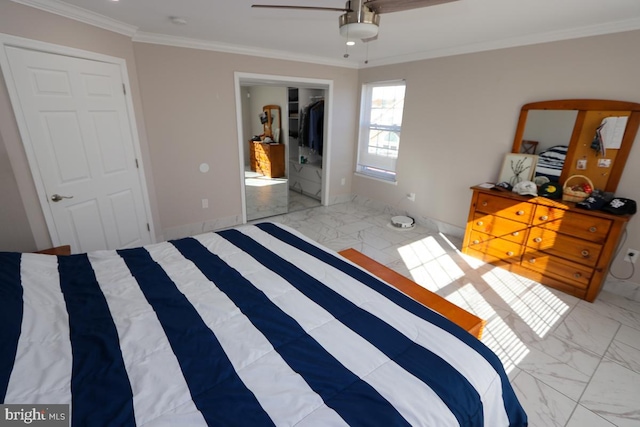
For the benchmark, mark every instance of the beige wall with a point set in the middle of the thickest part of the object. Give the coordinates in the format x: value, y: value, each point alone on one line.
x: 25, y: 213
x: 461, y: 113
x: 190, y: 110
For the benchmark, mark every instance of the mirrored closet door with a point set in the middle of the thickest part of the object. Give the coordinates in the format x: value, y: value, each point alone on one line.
x: 284, y: 132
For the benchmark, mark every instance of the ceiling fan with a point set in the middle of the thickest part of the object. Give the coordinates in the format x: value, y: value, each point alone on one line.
x: 361, y: 18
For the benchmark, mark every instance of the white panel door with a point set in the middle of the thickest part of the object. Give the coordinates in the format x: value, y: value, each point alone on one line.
x: 79, y: 129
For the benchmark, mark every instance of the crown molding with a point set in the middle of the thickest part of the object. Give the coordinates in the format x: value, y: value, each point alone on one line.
x: 162, y: 39
x: 79, y: 14
x: 551, y: 36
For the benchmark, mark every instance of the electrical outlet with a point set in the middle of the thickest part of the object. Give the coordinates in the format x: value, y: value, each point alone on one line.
x: 411, y: 196
x: 631, y: 256
x: 205, y: 203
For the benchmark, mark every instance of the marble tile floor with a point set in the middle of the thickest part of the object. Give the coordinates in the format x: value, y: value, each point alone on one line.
x: 266, y: 197
x: 572, y: 363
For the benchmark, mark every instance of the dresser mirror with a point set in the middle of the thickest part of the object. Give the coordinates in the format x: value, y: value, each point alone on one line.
x: 271, y: 122
x: 562, y: 133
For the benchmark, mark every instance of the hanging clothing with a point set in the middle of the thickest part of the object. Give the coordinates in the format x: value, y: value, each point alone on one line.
x: 316, y: 127
x: 311, y: 132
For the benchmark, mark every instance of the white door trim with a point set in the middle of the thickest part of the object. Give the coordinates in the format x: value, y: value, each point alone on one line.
x: 241, y: 78
x: 7, y: 40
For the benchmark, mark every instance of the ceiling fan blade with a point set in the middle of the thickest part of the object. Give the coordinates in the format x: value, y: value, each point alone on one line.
x: 388, y: 6
x: 278, y: 6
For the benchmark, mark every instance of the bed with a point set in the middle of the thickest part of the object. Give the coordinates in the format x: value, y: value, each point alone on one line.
x: 551, y: 161
x: 250, y: 326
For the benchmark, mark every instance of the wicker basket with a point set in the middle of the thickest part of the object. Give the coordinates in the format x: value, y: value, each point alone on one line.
x: 569, y: 195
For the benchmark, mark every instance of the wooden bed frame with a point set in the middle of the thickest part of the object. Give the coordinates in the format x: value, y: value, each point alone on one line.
x: 58, y: 250
x: 471, y: 323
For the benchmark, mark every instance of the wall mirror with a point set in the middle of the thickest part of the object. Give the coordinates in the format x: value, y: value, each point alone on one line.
x: 271, y: 122
x: 562, y: 133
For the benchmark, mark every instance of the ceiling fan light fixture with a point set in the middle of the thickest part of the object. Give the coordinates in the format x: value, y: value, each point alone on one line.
x: 360, y: 23
x: 359, y: 30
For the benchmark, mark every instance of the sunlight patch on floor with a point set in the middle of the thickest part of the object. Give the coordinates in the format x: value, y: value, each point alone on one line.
x: 263, y: 182
x: 535, y: 305
x: 429, y: 264
x: 498, y: 336
x: 432, y: 266
x: 473, y: 262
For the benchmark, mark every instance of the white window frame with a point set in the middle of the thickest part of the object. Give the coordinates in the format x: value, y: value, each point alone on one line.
x: 384, y: 170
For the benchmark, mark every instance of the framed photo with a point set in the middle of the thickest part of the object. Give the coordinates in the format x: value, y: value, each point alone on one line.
x: 518, y: 167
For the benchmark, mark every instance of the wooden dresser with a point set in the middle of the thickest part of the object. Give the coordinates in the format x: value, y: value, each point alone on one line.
x: 550, y: 241
x: 267, y: 159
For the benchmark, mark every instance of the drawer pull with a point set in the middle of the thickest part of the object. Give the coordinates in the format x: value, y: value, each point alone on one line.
x: 577, y: 275
x: 475, y: 242
x: 520, y: 213
x: 485, y: 203
x: 480, y: 223
x: 585, y: 253
x: 532, y: 260
x: 515, y: 233
x: 593, y: 229
x: 510, y: 253
x: 544, y: 218
x: 538, y: 239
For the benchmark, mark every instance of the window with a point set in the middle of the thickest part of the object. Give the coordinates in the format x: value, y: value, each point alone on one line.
x: 380, y: 124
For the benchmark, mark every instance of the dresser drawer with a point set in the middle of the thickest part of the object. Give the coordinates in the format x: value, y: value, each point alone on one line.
x: 562, y: 245
x: 263, y: 164
x: 496, y: 247
x: 573, y: 273
x: 576, y: 224
x: 500, y: 227
x: 260, y: 148
x: 505, y: 208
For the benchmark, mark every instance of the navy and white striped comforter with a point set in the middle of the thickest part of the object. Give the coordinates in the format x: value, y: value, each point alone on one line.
x: 252, y: 326
x: 551, y: 161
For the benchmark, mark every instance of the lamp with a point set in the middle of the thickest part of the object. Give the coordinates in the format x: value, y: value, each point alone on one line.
x: 359, y: 30
x: 359, y: 24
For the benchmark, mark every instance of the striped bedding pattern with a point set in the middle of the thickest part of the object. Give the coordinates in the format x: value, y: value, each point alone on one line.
x: 250, y: 326
x: 551, y: 162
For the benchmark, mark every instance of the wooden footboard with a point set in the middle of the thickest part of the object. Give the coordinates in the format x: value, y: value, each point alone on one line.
x: 471, y: 323
x: 58, y: 250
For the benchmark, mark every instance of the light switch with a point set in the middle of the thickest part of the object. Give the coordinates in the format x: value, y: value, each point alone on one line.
x: 205, y: 203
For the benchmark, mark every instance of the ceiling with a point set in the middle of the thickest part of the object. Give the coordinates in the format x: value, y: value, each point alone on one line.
x: 312, y: 36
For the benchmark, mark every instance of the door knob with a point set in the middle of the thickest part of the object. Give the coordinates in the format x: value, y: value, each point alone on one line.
x: 57, y: 197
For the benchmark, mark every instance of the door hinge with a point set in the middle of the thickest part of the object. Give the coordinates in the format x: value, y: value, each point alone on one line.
x: 124, y: 89
x: 137, y: 165
x: 148, y: 227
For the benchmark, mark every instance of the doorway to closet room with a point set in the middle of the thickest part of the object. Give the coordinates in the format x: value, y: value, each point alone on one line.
x: 300, y: 186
